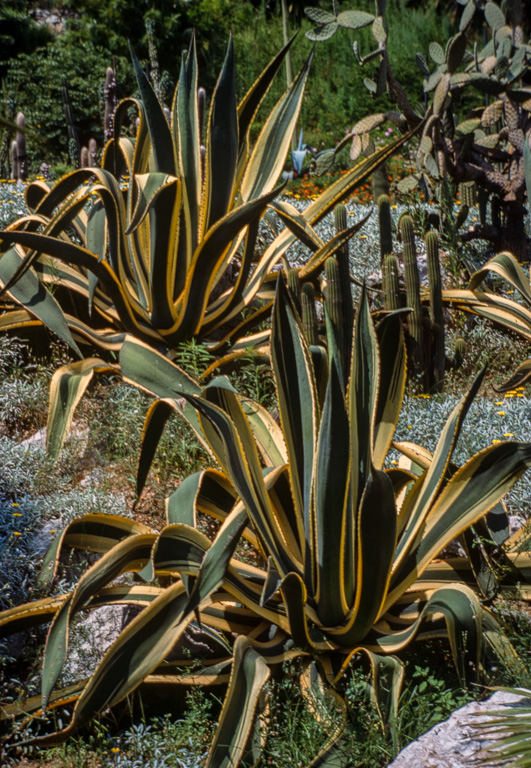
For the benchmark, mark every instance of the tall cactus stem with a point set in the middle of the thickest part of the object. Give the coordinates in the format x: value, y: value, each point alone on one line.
x: 438, y: 355
x: 294, y: 288
x: 384, y: 221
x: 390, y: 286
x: 22, y: 157
x: 459, y: 352
x: 93, y: 153
x: 415, y: 341
x: 109, y: 103
x: 343, y: 260
x: 309, y: 315
x: 336, y: 305
x: 14, y: 160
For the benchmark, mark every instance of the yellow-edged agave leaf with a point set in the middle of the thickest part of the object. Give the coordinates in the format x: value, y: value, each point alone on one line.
x: 505, y: 265
x: 248, y: 676
x: 298, y: 410
x: 95, y: 532
x: 30, y: 292
x: 67, y: 387
x: 469, y: 494
x: 267, y: 158
x: 129, y: 555
x: 435, y: 475
x: 392, y: 385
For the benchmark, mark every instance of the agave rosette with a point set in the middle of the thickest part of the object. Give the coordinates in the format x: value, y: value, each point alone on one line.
x: 92, y: 261
x: 343, y: 547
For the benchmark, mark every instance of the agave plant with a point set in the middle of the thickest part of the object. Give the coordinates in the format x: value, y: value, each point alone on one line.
x: 511, y: 315
x: 343, y: 546
x: 171, y: 258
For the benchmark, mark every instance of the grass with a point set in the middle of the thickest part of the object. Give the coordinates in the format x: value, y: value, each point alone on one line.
x: 97, y: 473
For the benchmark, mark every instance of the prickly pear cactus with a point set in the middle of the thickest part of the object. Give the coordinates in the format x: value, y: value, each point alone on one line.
x: 487, y: 146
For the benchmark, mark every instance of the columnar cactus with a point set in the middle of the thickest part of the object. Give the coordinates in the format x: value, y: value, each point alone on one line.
x: 22, y: 158
x: 390, y: 284
x: 438, y: 355
x: 384, y: 221
x: 309, y: 315
x: 93, y: 153
x: 109, y: 103
x: 343, y: 261
x: 294, y: 287
x: 414, y: 321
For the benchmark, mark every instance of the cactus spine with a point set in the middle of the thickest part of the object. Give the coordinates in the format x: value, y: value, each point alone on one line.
x: 438, y: 357
x: 384, y: 221
x: 416, y: 347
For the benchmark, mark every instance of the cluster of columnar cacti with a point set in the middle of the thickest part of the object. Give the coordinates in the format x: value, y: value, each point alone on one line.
x: 488, y: 146
x: 425, y: 326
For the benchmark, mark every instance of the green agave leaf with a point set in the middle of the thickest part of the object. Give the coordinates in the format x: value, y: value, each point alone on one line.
x: 67, y: 387
x: 123, y: 557
x: 392, y: 385
x: 158, y: 414
x: 298, y: 409
x: 74, y: 254
x: 230, y: 438
x: 207, y: 491
x: 471, y: 492
x: 30, y: 292
x: 95, y: 532
x: 331, y: 491
x: 249, y: 675
x: 159, y: 130
x: 436, y: 472
x: 505, y: 265
x: 222, y: 145
x: 269, y: 153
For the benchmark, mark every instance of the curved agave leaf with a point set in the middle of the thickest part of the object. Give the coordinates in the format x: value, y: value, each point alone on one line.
x: 30, y: 292
x: 67, y: 387
x: 95, y: 532
x: 129, y: 555
x: 248, y: 677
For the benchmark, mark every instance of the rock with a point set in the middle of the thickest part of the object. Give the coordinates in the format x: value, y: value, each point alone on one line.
x: 42, y: 539
x: 458, y: 742
x: 91, y: 637
x: 38, y: 439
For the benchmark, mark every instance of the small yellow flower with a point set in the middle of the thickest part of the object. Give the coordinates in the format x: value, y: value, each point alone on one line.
x: 409, y: 426
x: 363, y: 237
x: 508, y: 434
x: 393, y: 207
x: 508, y: 397
x: 115, y: 750
x: 15, y: 504
x: 53, y: 531
x: 510, y: 291
x: 17, y: 514
x: 519, y: 394
x: 499, y: 402
x: 17, y: 533
x: 500, y: 413
x: 496, y: 441
x: 458, y: 202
